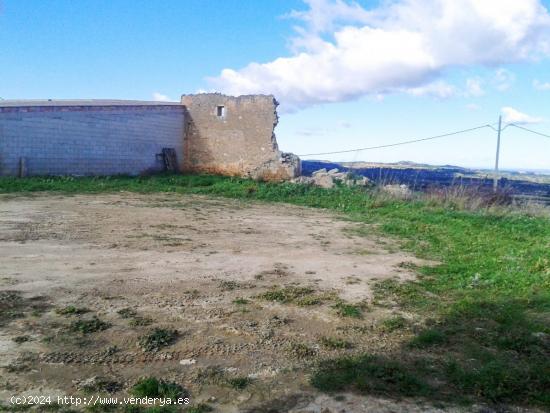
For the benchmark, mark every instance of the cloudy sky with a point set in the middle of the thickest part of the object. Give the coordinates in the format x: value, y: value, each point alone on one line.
x: 347, y: 74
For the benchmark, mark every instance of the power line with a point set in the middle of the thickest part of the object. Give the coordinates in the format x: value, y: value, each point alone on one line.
x: 400, y: 143
x: 529, y: 130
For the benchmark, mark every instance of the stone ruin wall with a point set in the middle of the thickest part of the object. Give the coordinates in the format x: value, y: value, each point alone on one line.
x: 235, y: 136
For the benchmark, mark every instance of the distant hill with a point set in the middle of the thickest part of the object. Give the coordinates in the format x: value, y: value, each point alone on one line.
x: 422, y: 177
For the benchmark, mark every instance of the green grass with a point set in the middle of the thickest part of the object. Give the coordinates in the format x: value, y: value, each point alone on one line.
x: 139, y: 321
x: 127, y: 312
x: 239, y: 383
x: 153, y: 387
x: 344, y: 309
x: 199, y: 408
x: 334, y: 343
x: 427, y: 338
x: 89, y: 326
x: 301, y: 350
x: 393, y: 324
x: 368, y: 374
x: 157, y: 339
x: 302, y: 296
x: 487, y: 302
x: 71, y: 310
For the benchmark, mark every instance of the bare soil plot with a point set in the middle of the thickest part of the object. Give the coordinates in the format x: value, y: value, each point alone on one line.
x: 232, y: 300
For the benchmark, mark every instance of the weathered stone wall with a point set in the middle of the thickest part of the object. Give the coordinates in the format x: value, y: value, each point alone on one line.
x: 89, y: 139
x: 234, y: 136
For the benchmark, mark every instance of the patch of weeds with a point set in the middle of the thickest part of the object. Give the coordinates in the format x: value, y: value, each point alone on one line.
x: 241, y: 301
x: 100, y: 384
x: 356, y: 329
x: 407, y: 265
x: 393, y: 324
x: 230, y: 285
x: 157, y: 339
x: 427, y: 338
x: 307, y: 301
x: 139, y: 321
x: 11, y: 305
x: 72, y: 310
x: 368, y: 374
x: 192, y: 293
x: 127, y: 312
x: 24, y: 362
x: 301, y: 350
x: 153, y: 387
x: 279, y: 270
x: 15, y: 408
x: 111, y: 350
x: 335, y: 343
x: 153, y: 409
x: 102, y: 408
x: 200, y: 408
x: 352, y: 280
x: 21, y: 339
x: 239, y: 383
x: 55, y: 407
x: 89, y: 326
x: 163, y: 409
x: 408, y: 294
x: 344, y: 309
x: 210, y: 374
x: 298, y: 295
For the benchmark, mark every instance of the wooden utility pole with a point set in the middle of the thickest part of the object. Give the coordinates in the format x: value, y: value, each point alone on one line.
x: 495, y: 181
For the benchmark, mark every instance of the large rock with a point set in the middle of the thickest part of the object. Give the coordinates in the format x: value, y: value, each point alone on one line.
x: 327, y: 179
x: 320, y: 171
x: 399, y: 191
x: 323, y: 180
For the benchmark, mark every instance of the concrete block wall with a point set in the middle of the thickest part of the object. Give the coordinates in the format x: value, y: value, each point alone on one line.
x: 89, y: 140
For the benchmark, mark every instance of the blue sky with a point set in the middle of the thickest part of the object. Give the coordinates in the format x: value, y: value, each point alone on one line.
x: 347, y: 74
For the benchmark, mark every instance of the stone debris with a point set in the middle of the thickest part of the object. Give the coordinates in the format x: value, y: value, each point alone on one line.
x: 399, y: 191
x: 327, y: 179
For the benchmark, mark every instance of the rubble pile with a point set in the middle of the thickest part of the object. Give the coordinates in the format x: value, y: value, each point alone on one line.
x: 327, y: 179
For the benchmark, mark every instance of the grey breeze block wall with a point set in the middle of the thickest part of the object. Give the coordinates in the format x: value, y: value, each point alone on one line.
x: 89, y: 140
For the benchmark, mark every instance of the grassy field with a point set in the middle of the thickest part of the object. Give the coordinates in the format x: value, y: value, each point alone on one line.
x: 486, y: 306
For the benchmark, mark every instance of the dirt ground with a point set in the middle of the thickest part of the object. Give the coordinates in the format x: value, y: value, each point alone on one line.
x: 197, y: 265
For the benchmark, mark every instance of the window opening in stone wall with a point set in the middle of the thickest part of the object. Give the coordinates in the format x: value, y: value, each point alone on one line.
x: 221, y: 111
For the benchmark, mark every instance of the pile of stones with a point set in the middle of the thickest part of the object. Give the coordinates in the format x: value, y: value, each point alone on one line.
x: 327, y: 179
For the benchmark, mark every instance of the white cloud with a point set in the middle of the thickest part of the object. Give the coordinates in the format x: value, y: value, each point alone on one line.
x: 541, y: 85
x: 473, y: 107
x: 511, y: 115
x: 438, y: 89
x: 474, y: 87
x: 342, y: 51
x: 159, y: 97
x: 311, y: 132
x: 503, y: 79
